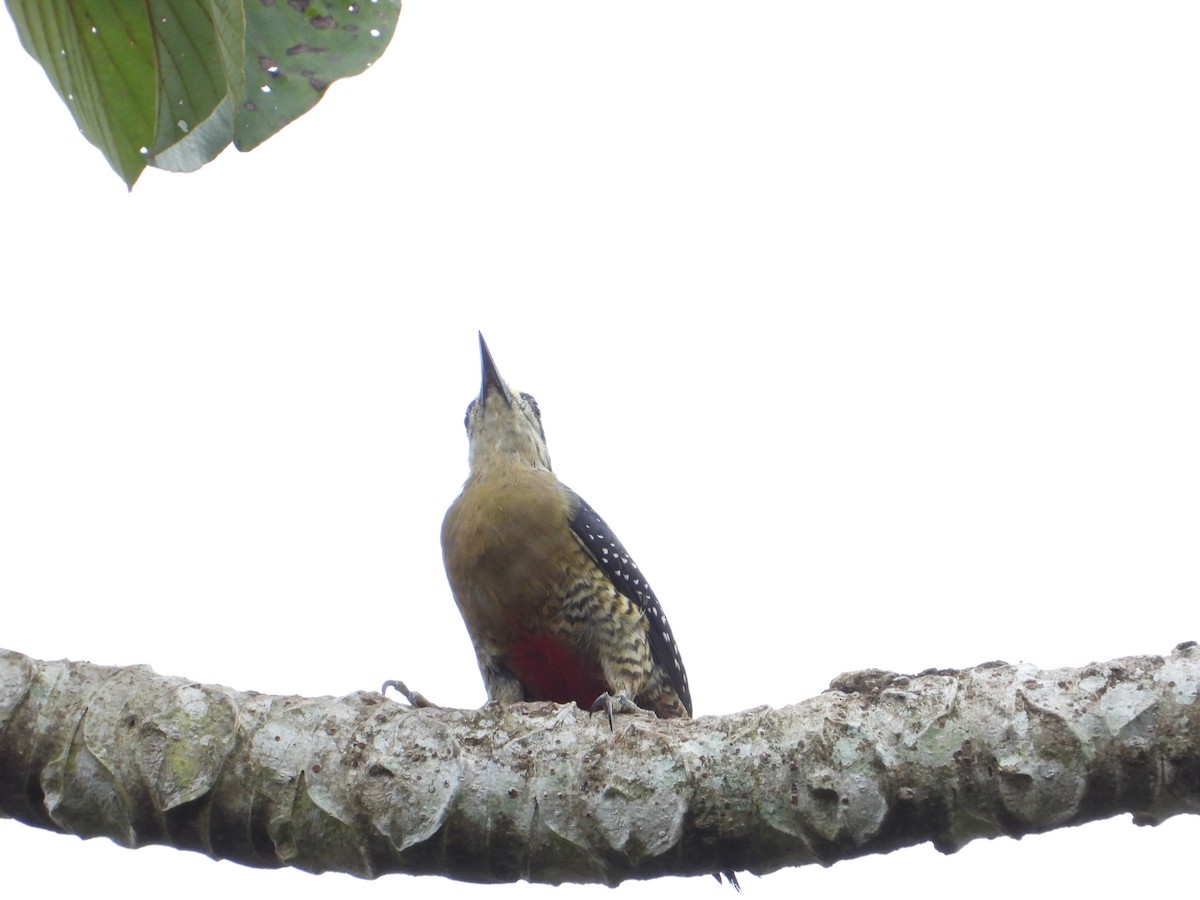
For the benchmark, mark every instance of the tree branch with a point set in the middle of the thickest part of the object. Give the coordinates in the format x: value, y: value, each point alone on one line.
x: 547, y: 793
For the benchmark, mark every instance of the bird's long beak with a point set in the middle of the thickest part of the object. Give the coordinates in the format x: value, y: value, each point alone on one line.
x: 490, y: 374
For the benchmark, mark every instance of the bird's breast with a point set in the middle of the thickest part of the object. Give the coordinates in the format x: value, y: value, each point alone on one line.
x: 508, y: 550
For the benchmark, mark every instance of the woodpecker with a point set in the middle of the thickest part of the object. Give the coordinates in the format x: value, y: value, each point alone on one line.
x: 555, y: 606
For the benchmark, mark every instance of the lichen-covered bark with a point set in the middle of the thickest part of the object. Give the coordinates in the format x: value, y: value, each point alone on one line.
x: 546, y: 793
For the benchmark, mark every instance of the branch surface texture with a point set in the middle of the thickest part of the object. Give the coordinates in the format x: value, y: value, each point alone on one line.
x: 547, y: 793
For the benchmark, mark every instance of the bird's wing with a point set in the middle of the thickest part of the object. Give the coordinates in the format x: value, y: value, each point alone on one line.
x: 611, y: 556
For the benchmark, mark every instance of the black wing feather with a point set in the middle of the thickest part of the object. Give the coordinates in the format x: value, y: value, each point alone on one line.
x: 610, y: 554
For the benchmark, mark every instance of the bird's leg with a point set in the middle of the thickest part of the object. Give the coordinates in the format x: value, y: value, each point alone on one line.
x: 621, y: 702
x: 416, y: 698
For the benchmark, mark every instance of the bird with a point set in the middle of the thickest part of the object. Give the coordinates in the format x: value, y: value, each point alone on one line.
x: 555, y: 606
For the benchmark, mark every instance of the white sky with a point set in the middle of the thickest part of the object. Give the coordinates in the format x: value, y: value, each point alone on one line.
x: 871, y: 328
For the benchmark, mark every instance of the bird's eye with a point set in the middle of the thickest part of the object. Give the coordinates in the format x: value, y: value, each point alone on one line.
x: 528, y: 398
x: 467, y: 417
x: 532, y: 407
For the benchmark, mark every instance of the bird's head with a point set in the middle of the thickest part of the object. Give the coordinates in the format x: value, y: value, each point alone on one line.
x: 503, y: 426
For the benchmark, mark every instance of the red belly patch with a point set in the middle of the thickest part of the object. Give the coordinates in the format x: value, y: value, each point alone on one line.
x: 549, y: 668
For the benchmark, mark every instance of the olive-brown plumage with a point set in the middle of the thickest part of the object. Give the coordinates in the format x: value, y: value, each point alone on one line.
x: 553, y: 603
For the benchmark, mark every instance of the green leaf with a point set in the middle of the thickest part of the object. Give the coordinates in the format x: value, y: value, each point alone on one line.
x: 190, y: 84
x: 170, y: 83
x: 100, y: 58
x: 295, y: 49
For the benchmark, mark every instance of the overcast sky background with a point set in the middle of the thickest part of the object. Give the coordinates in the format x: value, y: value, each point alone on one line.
x: 871, y: 329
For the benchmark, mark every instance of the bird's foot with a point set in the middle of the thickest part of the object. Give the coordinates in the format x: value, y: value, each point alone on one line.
x: 621, y: 703
x: 416, y: 698
x: 729, y: 876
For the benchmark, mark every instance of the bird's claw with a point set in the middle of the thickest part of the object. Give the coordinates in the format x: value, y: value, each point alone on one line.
x: 621, y: 703
x: 415, y: 698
